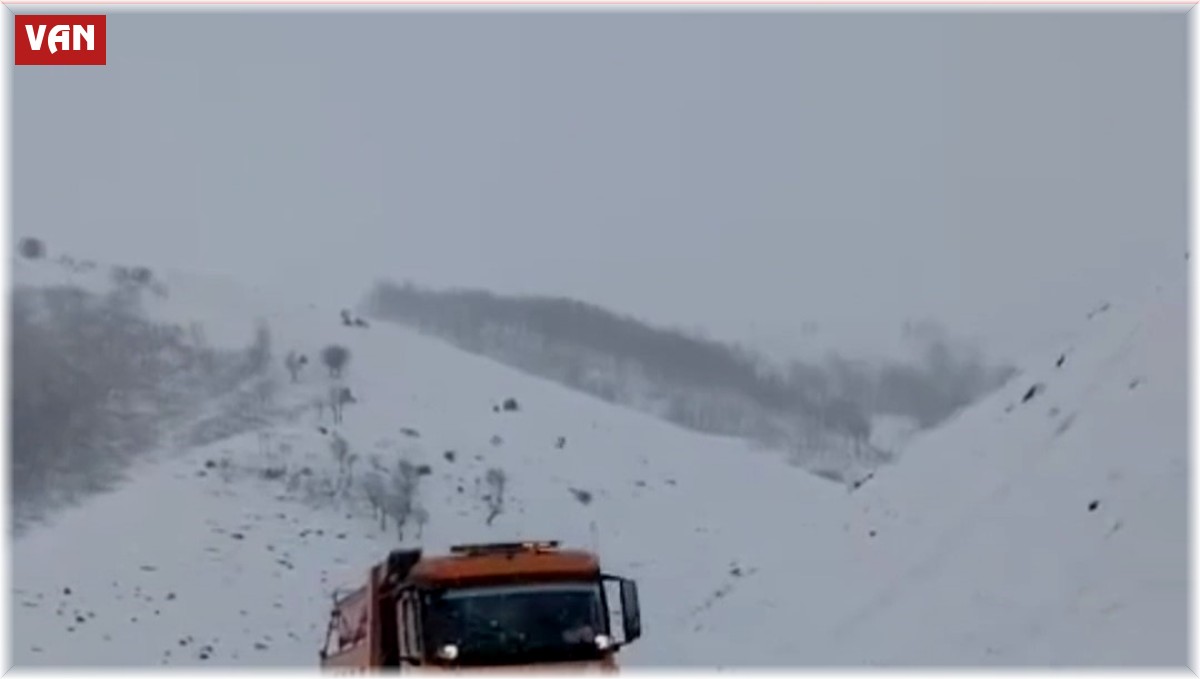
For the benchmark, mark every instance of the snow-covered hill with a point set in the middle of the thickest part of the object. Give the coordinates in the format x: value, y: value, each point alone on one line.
x: 1048, y: 529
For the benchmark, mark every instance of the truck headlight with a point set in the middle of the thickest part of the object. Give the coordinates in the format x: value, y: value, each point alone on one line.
x: 603, y: 641
x: 448, y: 652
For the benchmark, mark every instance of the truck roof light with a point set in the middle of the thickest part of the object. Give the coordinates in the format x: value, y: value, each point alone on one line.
x: 506, y: 547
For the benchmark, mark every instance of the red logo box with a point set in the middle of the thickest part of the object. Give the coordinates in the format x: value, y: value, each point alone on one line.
x: 60, y: 40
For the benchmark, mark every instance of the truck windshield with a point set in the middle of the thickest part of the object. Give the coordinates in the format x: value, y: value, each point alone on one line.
x: 516, y: 624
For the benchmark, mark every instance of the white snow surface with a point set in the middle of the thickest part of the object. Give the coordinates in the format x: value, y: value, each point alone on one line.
x: 1051, y: 531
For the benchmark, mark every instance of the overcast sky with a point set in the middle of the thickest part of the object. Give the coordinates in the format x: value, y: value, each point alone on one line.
x: 742, y: 173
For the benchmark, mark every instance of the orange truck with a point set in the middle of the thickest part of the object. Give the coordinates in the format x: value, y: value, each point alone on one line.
x: 500, y: 605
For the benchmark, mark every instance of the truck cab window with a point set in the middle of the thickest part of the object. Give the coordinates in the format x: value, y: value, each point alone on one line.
x: 520, y: 623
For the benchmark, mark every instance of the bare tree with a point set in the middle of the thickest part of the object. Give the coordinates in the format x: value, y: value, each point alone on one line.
x: 348, y: 479
x: 420, y: 517
x: 341, y: 455
x: 495, y: 481
x: 401, y: 500
x: 294, y: 364
x: 338, y: 398
x: 846, y: 417
x: 374, y: 488
x: 264, y: 390
x: 264, y: 443
x: 259, y: 354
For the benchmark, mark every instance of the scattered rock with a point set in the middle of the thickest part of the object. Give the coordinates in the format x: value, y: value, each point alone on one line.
x: 66, y: 591
x: 1061, y: 359
x: 149, y: 569
x: 272, y: 473
x: 858, y: 483
x: 237, y: 536
x: 511, y: 405
x: 1099, y: 310
x: 561, y: 442
x: 424, y: 470
x: 170, y: 596
x: 1064, y: 425
x: 872, y: 532
x: 210, y: 464
x: 584, y: 497
x: 410, y: 432
x: 260, y: 646
x: 1033, y: 391
x: 449, y: 455
x: 1093, y: 505
x: 1134, y: 384
x: 496, y: 440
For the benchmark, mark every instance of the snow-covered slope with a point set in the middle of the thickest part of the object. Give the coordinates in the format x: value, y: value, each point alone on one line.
x: 1046, y: 526
x: 982, y: 546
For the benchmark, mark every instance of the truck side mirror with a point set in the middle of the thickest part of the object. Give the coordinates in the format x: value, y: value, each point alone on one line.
x: 631, y: 614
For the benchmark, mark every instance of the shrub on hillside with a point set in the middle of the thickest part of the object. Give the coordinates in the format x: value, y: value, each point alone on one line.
x: 31, y: 248
x: 335, y: 357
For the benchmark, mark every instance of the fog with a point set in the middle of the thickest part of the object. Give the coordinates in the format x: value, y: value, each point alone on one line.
x: 793, y: 180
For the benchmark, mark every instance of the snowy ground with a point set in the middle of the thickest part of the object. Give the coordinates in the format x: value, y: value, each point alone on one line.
x: 1046, y: 530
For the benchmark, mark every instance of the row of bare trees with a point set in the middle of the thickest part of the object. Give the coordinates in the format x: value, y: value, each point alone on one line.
x: 96, y: 382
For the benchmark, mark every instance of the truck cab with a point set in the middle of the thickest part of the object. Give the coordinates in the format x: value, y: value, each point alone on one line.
x: 501, y: 605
